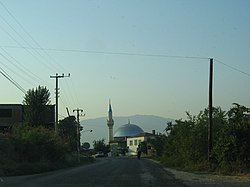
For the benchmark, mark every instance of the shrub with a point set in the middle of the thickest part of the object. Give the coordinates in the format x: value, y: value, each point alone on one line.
x: 34, y: 144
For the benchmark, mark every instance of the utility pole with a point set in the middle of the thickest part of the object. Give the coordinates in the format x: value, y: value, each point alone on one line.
x: 78, y: 132
x: 57, y: 77
x: 210, y: 108
x: 68, y: 111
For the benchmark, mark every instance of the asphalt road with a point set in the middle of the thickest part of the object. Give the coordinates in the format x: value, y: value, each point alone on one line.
x: 110, y: 172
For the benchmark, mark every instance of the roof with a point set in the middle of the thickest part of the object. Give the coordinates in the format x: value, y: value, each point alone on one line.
x: 128, y: 130
x: 143, y: 134
x: 9, y: 105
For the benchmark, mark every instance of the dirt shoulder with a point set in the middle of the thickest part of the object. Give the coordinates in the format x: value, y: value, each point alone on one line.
x: 201, y: 179
x: 210, y: 179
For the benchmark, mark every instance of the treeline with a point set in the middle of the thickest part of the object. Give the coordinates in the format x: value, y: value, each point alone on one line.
x: 186, y: 142
x: 34, y: 146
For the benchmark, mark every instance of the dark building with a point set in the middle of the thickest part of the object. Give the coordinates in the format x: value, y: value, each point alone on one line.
x: 13, y: 114
x: 10, y: 115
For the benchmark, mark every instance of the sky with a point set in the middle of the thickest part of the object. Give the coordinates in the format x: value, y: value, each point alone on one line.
x: 148, y: 57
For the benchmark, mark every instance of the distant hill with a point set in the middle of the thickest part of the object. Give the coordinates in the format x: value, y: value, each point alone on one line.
x: 100, y: 130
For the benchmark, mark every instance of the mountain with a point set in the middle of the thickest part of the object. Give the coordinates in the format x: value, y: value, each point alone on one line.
x: 100, y: 129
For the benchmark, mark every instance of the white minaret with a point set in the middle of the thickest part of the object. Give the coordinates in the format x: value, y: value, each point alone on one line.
x: 110, y: 123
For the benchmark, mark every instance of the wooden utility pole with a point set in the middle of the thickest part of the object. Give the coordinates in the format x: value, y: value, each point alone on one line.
x: 78, y: 132
x: 57, y: 93
x: 210, y: 108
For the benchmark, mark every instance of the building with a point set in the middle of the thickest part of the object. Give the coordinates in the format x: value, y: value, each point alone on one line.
x: 13, y: 114
x: 127, y: 130
x: 134, y: 141
x: 119, y: 144
x: 127, y: 137
x: 10, y: 115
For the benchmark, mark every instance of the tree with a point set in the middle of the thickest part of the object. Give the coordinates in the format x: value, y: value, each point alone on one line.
x: 99, y: 145
x: 186, y: 143
x: 158, y: 143
x: 232, y: 148
x: 36, y: 108
x: 67, y: 130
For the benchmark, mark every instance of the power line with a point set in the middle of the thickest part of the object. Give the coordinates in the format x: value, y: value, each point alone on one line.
x: 22, y: 27
x: 233, y: 68
x: 132, y: 54
x: 111, y: 53
x: 24, y: 40
x: 35, y: 43
x: 9, y: 78
x: 12, y: 70
x: 21, y: 67
x: 25, y: 48
x: 49, y: 57
x: 30, y: 36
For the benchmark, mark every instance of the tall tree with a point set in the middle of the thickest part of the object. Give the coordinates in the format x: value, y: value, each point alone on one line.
x: 67, y: 130
x: 36, y: 107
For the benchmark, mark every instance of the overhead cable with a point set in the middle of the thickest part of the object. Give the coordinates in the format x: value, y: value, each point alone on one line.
x: 110, y: 53
x: 233, y: 68
x: 9, y: 78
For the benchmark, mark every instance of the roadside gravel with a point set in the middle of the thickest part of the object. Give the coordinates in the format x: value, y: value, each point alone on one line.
x: 208, y: 179
x: 202, y: 179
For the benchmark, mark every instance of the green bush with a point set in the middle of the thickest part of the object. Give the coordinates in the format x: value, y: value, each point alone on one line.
x: 185, y: 145
x: 34, y: 144
x: 30, y: 150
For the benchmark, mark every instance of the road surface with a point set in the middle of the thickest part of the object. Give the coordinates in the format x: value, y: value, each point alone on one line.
x: 110, y: 172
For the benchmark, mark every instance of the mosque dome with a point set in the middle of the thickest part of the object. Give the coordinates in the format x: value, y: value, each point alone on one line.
x: 127, y: 130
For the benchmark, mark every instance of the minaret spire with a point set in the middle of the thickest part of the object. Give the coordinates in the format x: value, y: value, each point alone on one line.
x: 110, y: 108
x: 110, y: 123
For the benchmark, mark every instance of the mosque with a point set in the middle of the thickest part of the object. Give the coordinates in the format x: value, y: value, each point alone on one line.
x: 126, y: 138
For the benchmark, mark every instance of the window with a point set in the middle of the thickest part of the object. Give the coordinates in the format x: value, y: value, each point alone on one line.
x: 131, y: 142
x: 139, y: 142
x: 135, y: 142
x: 5, y: 113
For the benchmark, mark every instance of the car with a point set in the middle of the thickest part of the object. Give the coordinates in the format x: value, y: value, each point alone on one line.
x: 99, y: 154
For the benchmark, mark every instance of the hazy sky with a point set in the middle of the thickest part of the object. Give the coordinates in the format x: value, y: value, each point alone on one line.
x: 89, y: 39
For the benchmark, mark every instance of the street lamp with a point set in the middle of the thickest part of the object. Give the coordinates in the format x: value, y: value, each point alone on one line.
x: 90, y: 130
x: 86, y: 145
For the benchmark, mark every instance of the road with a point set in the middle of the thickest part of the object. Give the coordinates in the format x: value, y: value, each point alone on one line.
x: 110, y: 172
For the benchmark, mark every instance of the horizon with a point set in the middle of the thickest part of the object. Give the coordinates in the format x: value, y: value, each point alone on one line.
x: 147, y: 57
x: 100, y: 129
x: 128, y: 116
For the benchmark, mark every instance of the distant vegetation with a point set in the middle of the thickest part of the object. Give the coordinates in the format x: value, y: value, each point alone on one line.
x: 185, y: 145
x: 100, y: 146
x: 34, y: 147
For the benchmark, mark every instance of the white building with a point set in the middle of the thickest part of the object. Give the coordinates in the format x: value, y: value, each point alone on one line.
x: 127, y: 137
x: 134, y: 141
x: 119, y: 144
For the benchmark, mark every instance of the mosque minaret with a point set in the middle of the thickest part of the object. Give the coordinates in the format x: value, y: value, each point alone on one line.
x: 110, y: 123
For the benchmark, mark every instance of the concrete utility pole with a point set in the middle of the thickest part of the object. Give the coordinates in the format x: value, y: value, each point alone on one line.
x: 56, y: 77
x: 78, y: 132
x: 210, y: 108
